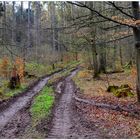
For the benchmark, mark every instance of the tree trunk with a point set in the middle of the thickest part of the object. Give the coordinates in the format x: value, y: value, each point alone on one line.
x: 121, y: 57
x: 28, y: 24
x: 95, y: 61
x: 37, y: 27
x: 54, y: 36
x: 114, y: 57
x: 4, y: 26
x: 13, y: 22
x: 136, y: 31
x: 93, y: 46
x: 102, y: 66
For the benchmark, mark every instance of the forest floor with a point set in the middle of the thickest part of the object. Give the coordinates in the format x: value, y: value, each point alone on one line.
x: 91, y: 116
x: 116, y: 117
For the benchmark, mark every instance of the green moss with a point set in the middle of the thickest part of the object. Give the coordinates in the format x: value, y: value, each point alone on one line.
x: 112, y: 88
x: 122, y: 91
x: 42, y: 105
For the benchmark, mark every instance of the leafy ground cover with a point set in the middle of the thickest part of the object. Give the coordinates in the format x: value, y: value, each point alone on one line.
x: 114, y: 124
x: 94, y: 88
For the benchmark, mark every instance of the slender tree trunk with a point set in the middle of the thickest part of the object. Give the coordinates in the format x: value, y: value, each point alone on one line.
x: 4, y: 26
x: 13, y: 21
x: 37, y: 27
x: 121, y: 57
x: 136, y: 31
x: 95, y: 61
x: 62, y: 25
x: 21, y: 24
x: 93, y: 47
x: 114, y: 57
x: 102, y: 66
x: 28, y: 24
x: 54, y: 26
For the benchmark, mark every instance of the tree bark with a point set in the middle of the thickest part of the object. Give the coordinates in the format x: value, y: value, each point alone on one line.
x: 37, y: 27
x: 13, y: 22
x: 53, y: 26
x: 121, y: 57
x: 28, y: 23
x: 95, y: 61
x: 136, y: 31
x: 102, y: 66
x: 114, y: 56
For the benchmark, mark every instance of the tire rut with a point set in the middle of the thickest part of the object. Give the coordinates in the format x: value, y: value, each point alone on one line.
x: 62, y: 120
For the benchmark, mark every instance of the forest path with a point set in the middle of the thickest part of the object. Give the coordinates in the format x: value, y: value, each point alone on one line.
x: 67, y: 122
x: 61, y: 121
x: 8, y: 114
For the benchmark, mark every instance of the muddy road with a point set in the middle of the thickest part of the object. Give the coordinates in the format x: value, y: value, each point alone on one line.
x: 16, y: 115
x: 21, y: 102
x: 67, y: 123
x: 61, y: 122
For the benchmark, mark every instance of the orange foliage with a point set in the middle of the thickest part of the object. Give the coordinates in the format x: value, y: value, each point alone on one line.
x: 19, y: 64
x: 14, y: 71
x: 4, y: 67
x: 133, y: 71
x: 126, y: 21
x: 17, y: 68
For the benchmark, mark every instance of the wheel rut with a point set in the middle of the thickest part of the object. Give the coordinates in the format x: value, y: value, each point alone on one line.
x: 62, y: 116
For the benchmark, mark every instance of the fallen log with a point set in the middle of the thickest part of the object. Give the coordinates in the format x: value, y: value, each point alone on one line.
x: 111, y: 72
x: 133, y: 112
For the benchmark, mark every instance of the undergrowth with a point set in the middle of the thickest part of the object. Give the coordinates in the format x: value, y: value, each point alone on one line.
x: 6, y: 93
x: 37, y: 70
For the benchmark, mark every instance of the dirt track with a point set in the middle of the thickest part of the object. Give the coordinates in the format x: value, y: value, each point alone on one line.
x: 61, y: 122
x: 12, y: 118
x: 66, y: 121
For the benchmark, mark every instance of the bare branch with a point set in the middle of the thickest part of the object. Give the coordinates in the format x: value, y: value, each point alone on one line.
x: 117, y: 8
x: 99, y: 14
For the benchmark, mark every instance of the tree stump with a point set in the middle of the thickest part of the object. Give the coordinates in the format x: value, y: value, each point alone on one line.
x: 14, y: 80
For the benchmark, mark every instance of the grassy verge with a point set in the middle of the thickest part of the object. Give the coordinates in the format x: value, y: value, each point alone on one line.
x: 40, y: 109
x: 6, y: 93
x: 42, y: 105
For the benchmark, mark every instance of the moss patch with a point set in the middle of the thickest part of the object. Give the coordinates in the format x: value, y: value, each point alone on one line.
x: 121, y: 91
